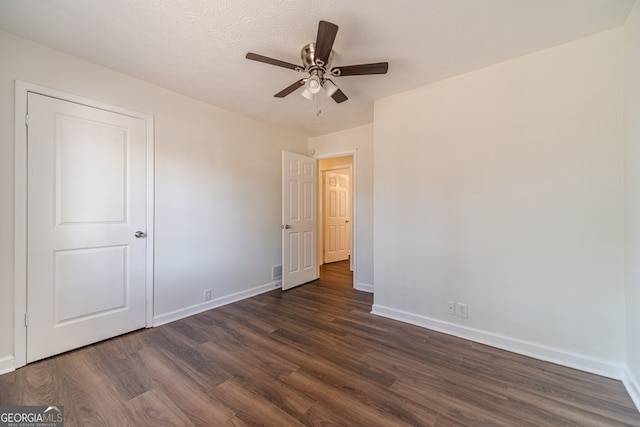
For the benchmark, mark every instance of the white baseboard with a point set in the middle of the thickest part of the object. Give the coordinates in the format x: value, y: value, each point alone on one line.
x: 558, y: 356
x: 364, y: 287
x: 7, y: 365
x: 632, y: 385
x: 216, y: 302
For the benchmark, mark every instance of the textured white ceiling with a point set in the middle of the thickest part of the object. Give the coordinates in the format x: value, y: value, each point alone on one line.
x: 198, y: 47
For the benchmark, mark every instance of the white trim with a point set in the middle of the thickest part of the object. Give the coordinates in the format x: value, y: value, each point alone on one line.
x: 606, y: 368
x: 20, y: 226
x: 337, y: 168
x: 6, y: 365
x: 365, y: 287
x: 333, y: 154
x: 214, y: 303
x: 151, y: 229
x: 20, y: 238
x: 354, y: 203
x: 633, y: 386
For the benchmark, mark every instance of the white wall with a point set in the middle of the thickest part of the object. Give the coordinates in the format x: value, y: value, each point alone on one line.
x: 632, y: 198
x: 503, y: 189
x: 360, y: 139
x: 215, y: 171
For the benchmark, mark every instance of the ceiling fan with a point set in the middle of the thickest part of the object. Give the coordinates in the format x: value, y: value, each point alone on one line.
x: 316, y: 60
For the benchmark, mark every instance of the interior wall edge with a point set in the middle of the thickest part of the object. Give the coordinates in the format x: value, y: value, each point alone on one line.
x: 364, y: 287
x: 632, y: 385
x: 558, y: 356
x: 214, y: 303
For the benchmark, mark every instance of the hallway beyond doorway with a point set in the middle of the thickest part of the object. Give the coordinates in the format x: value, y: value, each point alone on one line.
x: 337, y: 273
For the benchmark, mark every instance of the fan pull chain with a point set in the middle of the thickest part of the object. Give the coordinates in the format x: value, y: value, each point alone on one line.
x: 318, y: 104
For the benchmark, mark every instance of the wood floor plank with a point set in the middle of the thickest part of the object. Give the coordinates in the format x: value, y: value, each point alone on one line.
x: 36, y: 385
x: 189, y: 395
x: 575, y: 415
x: 87, y: 394
x: 184, y: 353
x: 567, y: 386
x: 252, y: 408
x: 456, y: 407
x: 121, y: 371
x: 259, y: 377
x: 154, y: 408
x: 351, y: 410
x: 313, y: 355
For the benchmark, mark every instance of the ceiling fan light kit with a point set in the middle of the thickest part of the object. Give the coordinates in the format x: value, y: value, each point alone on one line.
x: 316, y: 60
x: 307, y: 94
x: 313, y: 84
x: 329, y: 88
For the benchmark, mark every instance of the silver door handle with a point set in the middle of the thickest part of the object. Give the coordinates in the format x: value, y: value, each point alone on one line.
x: 140, y: 234
x: 286, y: 227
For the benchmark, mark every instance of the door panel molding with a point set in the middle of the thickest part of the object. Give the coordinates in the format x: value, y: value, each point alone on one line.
x: 299, y: 219
x: 22, y: 89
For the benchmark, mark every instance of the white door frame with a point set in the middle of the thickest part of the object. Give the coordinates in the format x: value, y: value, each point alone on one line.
x: 20, y: 237
x: 354, y: 203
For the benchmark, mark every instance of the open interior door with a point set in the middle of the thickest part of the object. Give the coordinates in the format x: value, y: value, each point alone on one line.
x: 299, y: 220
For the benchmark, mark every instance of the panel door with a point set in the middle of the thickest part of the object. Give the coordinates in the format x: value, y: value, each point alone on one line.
x: 299, y: 220
x: 86, y: 200
x: 337, y: 230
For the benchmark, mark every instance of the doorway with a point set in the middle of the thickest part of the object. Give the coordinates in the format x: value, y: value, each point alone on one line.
x: 84, y: 217
x: 337, y: 274
x: 336, y: 206
x: 336, y: 214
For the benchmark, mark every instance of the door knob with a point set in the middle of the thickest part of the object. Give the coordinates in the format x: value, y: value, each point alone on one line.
x: 140, y: 234
x: 286, y: 227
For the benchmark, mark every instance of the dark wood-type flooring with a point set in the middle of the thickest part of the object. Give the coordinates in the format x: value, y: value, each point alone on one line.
x: 313, y: 355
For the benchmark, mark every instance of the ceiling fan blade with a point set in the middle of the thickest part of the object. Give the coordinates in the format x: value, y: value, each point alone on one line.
x: 267, y: 60
x: 286, y: 91
x: 339, y: 96
x: 324, y: 41
x: 362, y: 69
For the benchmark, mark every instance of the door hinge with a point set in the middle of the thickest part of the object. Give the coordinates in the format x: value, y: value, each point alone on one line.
x: 26, y: 120
x: 26, y: 319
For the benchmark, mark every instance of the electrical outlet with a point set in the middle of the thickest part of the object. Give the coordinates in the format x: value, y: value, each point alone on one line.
x: 461, y: 310
x: 451, y: 307
x: 207, y: 294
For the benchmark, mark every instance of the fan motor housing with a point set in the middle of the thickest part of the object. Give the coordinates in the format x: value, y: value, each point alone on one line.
x: 308, y: 55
